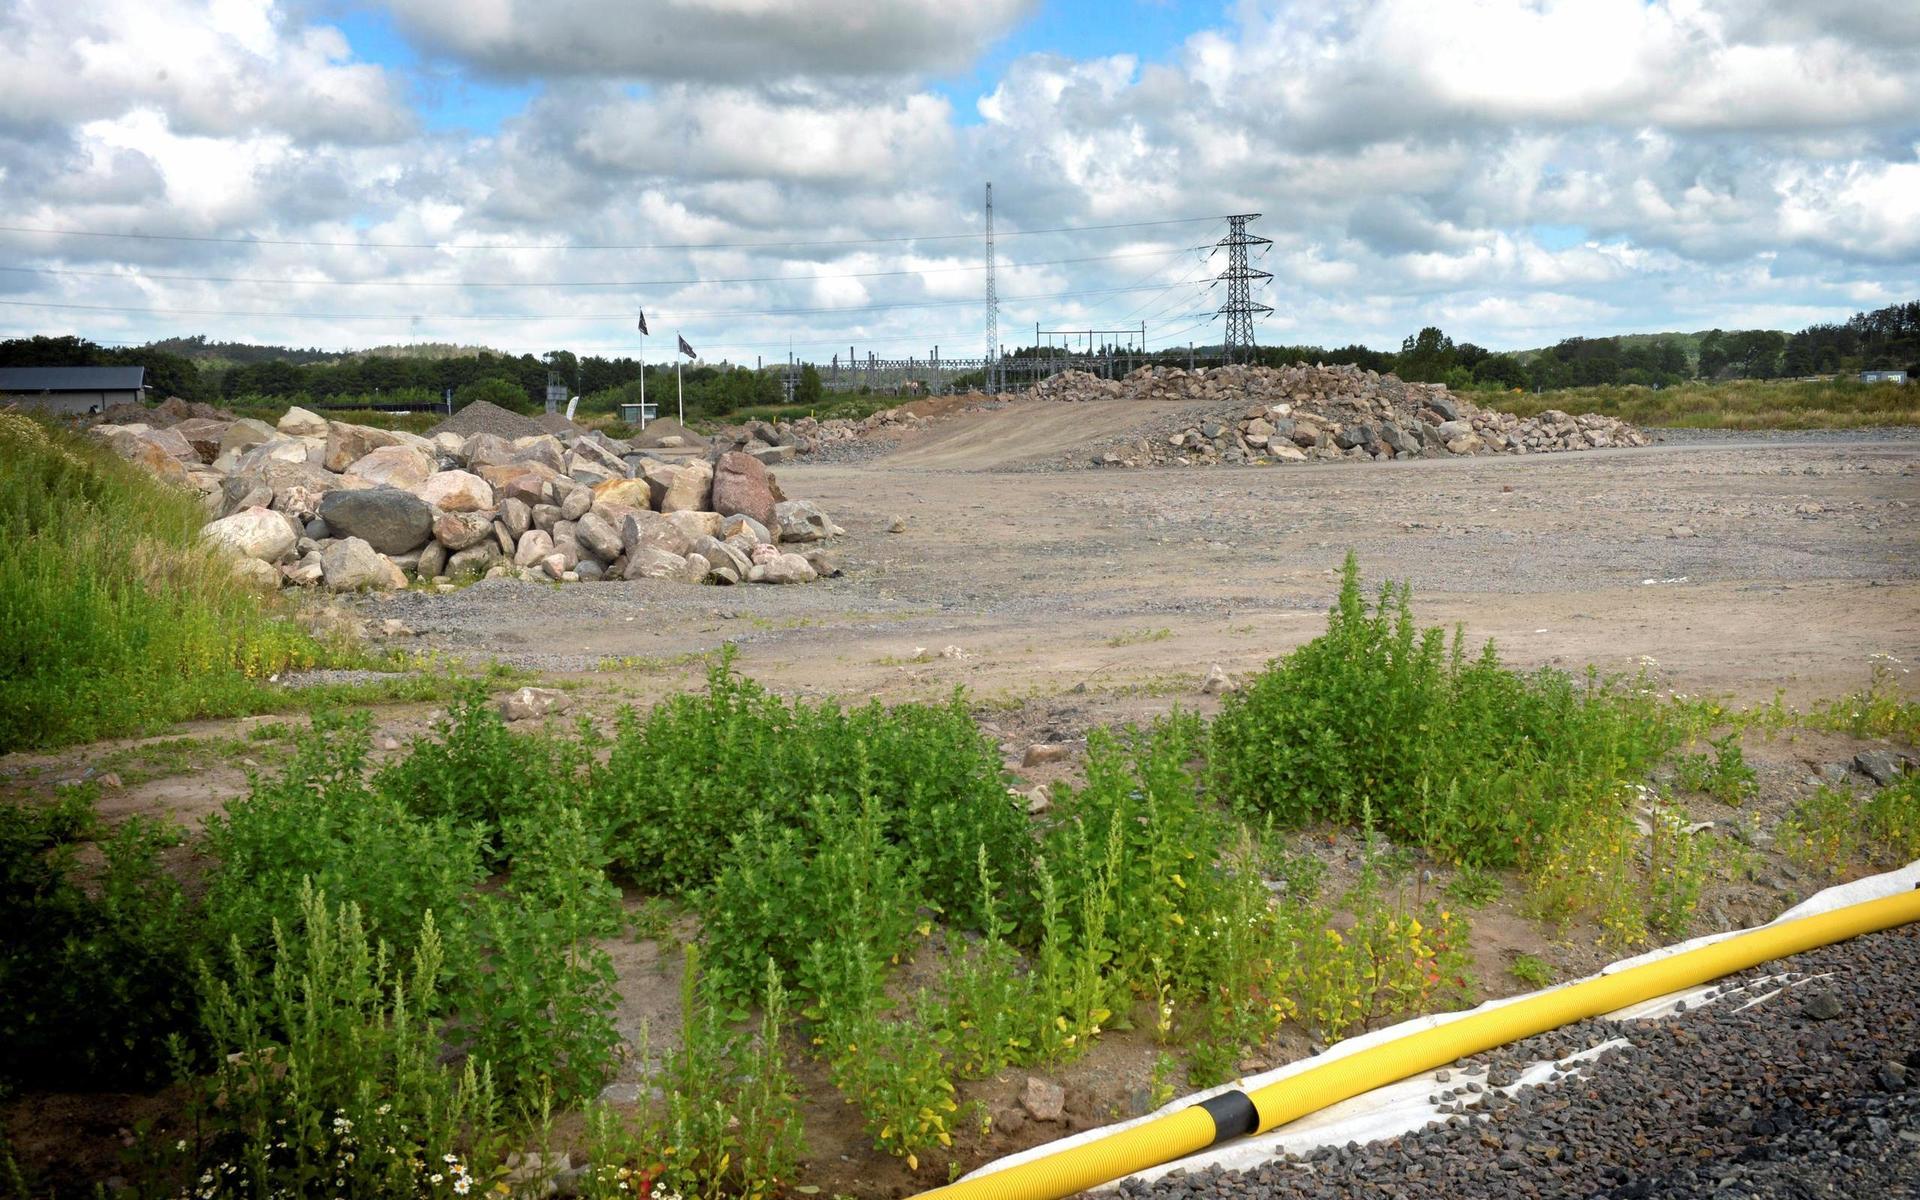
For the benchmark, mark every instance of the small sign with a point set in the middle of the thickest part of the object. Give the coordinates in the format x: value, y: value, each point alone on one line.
x: 571, y: 405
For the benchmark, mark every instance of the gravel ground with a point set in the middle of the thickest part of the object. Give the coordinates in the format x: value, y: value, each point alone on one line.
x: 1734, y: 437
x: 1814, y: 1092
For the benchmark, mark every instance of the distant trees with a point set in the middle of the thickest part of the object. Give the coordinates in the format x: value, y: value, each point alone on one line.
x: 1884, y: 338
x: 809, y: 390
x: 168, y: 374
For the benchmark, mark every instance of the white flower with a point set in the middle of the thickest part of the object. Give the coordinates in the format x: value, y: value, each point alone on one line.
x: 462, y: 1185
x: 437, y: 1177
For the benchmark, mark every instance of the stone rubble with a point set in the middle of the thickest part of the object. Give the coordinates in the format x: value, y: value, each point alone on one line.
x: 1320, y: 413
x: 320, y: 503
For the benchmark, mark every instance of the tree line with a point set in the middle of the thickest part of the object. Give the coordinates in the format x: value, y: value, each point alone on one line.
x: 241, y: 374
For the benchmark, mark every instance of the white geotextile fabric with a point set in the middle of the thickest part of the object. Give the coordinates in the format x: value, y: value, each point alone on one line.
x: 1402, y: 1107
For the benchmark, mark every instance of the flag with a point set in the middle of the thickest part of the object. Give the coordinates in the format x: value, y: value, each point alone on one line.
x: 643, y: 320
x: 686, y: 349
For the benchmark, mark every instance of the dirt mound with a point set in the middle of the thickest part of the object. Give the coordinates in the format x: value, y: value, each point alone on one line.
x: 557, y: 424
x: 168, y: 412
x: 483, y: 416
x: 662, y: 428
x: 1297, y: 413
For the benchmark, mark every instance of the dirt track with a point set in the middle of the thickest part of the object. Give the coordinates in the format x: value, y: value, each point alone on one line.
x: 1801, y: 561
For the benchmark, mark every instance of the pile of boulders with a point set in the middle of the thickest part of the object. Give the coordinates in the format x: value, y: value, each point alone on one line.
x: 319, y: 503
x: 1298, y: 413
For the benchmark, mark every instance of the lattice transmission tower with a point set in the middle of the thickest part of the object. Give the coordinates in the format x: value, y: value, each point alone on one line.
x: 1240, y: 310
x: 993, y: 304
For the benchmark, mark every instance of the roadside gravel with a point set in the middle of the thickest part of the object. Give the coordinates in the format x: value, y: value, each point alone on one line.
x: 1814, y: 1092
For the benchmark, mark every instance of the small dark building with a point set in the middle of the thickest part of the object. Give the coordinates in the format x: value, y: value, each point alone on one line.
x: 73, y: 391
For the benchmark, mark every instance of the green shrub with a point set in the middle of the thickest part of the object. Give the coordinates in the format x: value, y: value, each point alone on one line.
x: 1892, y: 822
x: 329, y: 1077
x: 320, y: 821
x: 1725, y: 775
x: 97, y: 973
x: 536, y: 1003
x: 114, y: 618
x: 1822, y: 833
x: 477, y: 772
x: 681, y: 782
x: 807, y: 898
x: 1473, y: 761
x: 726, y: 1124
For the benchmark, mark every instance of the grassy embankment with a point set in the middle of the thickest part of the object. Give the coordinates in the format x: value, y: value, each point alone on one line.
x: 114, y: 620
x: 1735, y: 404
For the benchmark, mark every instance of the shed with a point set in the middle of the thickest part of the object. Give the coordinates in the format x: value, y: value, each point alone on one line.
x: 1883, y: 377
x: 73, y: 391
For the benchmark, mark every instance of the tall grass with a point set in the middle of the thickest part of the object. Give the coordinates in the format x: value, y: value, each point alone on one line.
x: 113, y: 619
x: 1736, y: 404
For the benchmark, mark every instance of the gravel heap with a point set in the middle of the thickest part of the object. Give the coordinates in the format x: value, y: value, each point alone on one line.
x: 1297, y: 413
x: 483, y: 416
x: 1815, y: 1092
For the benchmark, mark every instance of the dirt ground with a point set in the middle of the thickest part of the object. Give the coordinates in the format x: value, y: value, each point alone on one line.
x: 1065, y: 599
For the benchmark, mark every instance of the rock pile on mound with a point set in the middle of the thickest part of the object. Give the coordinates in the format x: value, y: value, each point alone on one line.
x: 320, y: 503
x: 1297, y: 413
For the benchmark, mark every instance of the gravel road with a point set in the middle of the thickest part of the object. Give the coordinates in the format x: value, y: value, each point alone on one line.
x: 1815, y: 1092
x: 1739, y: 567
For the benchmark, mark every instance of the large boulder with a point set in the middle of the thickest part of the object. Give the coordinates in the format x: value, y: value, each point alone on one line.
x: 351, y: 564
x: 651, y: 530
x: 587, y: 452
x: 387, y: 519
x: 457, y: 531
x: 695, y: 524
x: 203, y: 434
x: 456, y: 492
x: 529, y: 482
x: 784, y: 568
x: 535, y: 544
x: 298, y: 422
x: 659, y: 477
x: 600, y: 537
x: 544, y: 449
x: 648, y: 562
x: 393, y: 466
x: 741, y: 486
x: 487, y: 450
x: 254, y: 532
x: 635, y: 493
x: 347, y: 444
x: 802, y: 521
x: 691, y: 489
x: 277, y: 449
x: 244, y: 434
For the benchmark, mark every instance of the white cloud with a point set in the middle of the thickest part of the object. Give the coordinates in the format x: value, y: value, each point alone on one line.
x: 709, y: 39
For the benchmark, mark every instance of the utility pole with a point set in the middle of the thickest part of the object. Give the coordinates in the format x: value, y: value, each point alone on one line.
x: 993, y: 303
x: 1239, y: 310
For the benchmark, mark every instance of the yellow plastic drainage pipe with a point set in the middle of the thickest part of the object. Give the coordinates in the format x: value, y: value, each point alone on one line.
x: 1234, y: 1114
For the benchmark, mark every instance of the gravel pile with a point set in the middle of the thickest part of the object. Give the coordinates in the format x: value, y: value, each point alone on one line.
x: 1815, y: 1092
x: 482, y: 416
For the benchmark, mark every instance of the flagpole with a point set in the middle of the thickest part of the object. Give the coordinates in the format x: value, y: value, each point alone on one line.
x: 643, y: 381
x: 678, y: 394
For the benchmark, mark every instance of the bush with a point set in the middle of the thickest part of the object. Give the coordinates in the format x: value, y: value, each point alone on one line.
x: 1473, y: 761
x: 680, y: 783
x: 329, y: 1076
x: 114, y: 619
x: 320, y: 821
x: 97, y: 973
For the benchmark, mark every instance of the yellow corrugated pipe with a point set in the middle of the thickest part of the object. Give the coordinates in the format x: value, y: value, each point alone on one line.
x: 1193, y: 1129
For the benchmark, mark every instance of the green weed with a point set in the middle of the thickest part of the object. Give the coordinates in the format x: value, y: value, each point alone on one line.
x: 114, y: 617
x: 1531, y: 970
x: 1822, y: 833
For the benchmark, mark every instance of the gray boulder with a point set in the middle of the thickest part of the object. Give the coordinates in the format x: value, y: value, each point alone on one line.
x: 803, y: 521
x: 351, y: 564
x: 1884, y: 767
x: 387, y: 519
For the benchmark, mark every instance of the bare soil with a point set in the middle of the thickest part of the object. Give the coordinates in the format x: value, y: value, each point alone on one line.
x: 1069, y: 599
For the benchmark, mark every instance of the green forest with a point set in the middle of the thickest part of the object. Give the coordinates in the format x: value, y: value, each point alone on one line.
x: 247, y: 376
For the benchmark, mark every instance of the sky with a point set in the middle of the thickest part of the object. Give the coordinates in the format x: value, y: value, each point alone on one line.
x: 807, y: 175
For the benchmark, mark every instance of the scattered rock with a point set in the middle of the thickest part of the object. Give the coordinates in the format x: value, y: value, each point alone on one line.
x: 1043, y: 1099
x: 532, y: 703
x: 1884, y: 767
x: 1046, y: 752
x: 1217, y: 682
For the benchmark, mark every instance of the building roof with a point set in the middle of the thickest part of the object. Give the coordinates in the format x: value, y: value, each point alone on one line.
x: 72, y: 379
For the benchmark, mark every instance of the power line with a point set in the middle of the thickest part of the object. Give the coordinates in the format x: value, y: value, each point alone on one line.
x: 625, y: 315
x: 602, y: 246
x: 606, y: 283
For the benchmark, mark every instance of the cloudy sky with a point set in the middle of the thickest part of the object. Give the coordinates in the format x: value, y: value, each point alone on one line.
x: 771, y: 173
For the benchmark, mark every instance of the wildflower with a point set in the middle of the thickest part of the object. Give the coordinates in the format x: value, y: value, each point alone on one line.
x: 181, y: 1144
x: 437, y: 1177
x: 462, y: 1185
